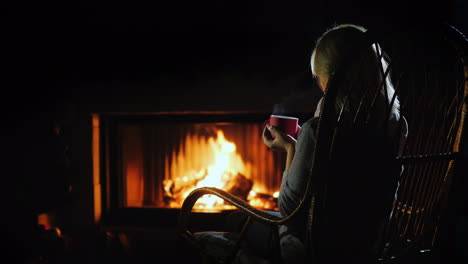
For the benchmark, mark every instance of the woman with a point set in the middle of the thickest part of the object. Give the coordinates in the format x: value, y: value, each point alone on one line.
x: 336, y: 48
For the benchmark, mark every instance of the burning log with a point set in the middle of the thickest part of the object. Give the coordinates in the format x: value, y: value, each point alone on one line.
x: 239, y: 186
x: 264, y: 200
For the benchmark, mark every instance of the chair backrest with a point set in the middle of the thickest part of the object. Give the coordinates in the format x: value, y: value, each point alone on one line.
x: 433, y: 88
x: 360, y: 204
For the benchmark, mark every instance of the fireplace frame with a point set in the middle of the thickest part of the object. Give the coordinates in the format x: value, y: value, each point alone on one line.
x: 108, y: 203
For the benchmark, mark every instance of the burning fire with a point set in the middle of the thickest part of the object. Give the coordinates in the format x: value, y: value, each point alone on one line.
x: 211, y: 163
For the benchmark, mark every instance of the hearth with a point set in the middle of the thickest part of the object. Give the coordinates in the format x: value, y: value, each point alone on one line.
x: 151, y: 161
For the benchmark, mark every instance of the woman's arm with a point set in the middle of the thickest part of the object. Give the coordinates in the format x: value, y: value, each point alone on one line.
x: 296, y: 175
x: 290, y: 156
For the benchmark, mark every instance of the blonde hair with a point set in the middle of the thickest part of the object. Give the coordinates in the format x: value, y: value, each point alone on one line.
x: 336, y: 47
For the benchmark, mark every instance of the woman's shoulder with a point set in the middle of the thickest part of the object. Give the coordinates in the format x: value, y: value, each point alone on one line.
x: 309, y: 126
x: 313, y: 121
x: 310, y: 123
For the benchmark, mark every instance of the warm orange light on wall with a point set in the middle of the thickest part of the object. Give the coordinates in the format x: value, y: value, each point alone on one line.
x: 45, y: 220
x: 96, y: 167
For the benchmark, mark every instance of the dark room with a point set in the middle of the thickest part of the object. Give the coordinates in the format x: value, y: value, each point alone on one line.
x: 235, y: 132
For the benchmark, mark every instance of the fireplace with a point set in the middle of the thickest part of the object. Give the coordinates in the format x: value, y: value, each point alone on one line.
x: 152, y: 161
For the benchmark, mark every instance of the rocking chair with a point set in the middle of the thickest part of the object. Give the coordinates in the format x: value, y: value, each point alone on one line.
x: 347, y: 218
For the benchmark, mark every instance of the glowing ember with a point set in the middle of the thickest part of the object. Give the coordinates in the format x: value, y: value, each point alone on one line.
x: 210, y: 163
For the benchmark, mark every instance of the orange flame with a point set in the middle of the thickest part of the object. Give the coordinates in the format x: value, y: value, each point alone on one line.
x: 205, y: 163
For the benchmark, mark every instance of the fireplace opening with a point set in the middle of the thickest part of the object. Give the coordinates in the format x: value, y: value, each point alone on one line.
x: 156, y: 160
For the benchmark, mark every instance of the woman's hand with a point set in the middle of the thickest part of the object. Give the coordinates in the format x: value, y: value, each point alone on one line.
x: 275, y: 139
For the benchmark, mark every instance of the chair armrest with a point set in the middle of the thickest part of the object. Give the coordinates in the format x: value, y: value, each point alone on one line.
x: 244, y: 206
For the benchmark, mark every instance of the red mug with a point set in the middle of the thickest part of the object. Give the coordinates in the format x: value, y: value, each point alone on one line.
x: 287, y: 124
